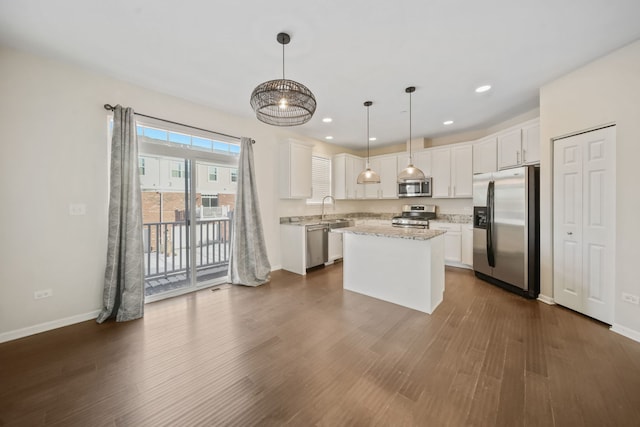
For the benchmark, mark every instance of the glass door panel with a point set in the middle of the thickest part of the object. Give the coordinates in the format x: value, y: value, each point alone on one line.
x: 166, y: 198
x: 215, y: 201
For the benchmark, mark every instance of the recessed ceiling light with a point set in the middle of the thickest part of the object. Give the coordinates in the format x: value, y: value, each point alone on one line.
x: 373, y: 138
x: 483, y: 88
x: 448, y: 122
x: 328, y: 137
x: 327, y: 120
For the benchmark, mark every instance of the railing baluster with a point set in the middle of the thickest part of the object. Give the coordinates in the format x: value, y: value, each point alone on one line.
x: 173, y: 247
x: 158, y: 248
x: 180, y: 248
x: 165, y: 250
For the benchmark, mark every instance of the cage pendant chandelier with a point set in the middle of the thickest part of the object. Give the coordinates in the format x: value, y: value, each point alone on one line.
x: 283, y: 102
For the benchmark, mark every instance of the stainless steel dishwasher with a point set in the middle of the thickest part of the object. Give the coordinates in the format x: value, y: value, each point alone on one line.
x: 317, y: 244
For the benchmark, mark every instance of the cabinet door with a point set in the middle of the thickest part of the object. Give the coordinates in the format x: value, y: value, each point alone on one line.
x: 452, y: 246
x: 422, y: 160
x: 485, y: 155
x: 388, y: 177
x: 462, y: 171
x: 531, y: 144
x: 335, y: 246
x: 441, y: 172
x: 467, y: 245
x: 509, y: 146
x: 354, y: 165
x: 300, y: 171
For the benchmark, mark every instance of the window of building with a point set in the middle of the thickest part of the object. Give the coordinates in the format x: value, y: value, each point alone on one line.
x: 213, y: 174
x: 234, y: 175
x: 177, y: 170
x: 141, y: 166
x: 320, y: 179
x: 210, y: 200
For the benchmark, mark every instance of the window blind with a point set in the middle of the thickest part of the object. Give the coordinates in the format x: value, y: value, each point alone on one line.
x: 320, y: 179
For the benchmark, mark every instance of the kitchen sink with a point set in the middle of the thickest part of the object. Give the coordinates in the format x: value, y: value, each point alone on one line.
x: 337, y: 223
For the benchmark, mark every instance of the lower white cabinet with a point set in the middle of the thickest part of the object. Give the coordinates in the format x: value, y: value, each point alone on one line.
x: 335, y: 246
x: 467, y: 244
x: 458, y: 243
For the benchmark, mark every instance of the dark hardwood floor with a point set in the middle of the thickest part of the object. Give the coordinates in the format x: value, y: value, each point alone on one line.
x: 301, y: 351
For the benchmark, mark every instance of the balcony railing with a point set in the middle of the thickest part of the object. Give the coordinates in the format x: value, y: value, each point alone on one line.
x: 166, y: 246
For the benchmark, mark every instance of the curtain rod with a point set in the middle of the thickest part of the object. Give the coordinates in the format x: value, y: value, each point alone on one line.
x: 111, y: 108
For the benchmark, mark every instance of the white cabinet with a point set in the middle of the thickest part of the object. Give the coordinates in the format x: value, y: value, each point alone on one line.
x: 421, y: 160
x: 335, y: 246
x: 467, y: 244
x: 345, y: 169
x: 519, y: 146
x: 293, y: 243
x: 485, y: 156
x: 531, y: 143
x: 386, y: 167
x: 452, y: 172
x: 452, y: 241
x: 295, y: 170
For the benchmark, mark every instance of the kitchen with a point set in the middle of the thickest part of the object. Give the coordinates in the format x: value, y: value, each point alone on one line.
x: 69, y: 251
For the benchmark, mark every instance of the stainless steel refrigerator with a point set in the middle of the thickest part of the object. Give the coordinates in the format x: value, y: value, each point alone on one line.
x: 506, y: 229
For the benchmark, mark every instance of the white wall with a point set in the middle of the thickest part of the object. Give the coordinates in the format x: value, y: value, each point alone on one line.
x: 53, y: 131
x: 602, y: 92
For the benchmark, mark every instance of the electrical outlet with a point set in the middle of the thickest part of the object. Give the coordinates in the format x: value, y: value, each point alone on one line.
x: 42, y: 293
x: 77, y: 209
x: 633, y: 299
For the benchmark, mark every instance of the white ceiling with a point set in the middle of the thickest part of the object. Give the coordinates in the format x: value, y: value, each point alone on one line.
x: 347, y: 52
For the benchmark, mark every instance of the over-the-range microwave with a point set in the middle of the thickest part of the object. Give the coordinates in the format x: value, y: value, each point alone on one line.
x: 415, y: 188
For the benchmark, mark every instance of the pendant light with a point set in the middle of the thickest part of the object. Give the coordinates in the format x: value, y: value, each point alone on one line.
x: 283, y: 102
x: 368, y: 176
x: 410, y: 173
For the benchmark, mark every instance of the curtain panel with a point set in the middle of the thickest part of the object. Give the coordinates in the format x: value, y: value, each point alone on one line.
x: 248, y: 262
x: 123, y: 294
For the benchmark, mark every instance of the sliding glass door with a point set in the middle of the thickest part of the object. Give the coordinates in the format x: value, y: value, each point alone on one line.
x: 188, y: 199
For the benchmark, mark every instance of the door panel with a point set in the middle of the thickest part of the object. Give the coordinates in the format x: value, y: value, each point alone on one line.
x: 584, y: 223
x: 509, y: 227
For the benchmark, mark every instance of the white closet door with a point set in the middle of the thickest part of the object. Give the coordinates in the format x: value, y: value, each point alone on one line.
x: 584, y: 223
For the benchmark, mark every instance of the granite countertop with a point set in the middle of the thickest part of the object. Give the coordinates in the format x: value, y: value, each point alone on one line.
x: 315, y: 219
x: 393, y: 232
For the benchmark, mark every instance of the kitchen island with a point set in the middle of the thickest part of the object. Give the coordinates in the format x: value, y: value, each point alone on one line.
x: 404, y: 266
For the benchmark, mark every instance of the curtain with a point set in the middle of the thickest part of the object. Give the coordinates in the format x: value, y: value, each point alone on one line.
x: 123, y: 296
x: 248, y: 261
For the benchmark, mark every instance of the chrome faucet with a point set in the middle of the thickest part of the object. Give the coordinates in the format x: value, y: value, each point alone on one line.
x: 323, y: 199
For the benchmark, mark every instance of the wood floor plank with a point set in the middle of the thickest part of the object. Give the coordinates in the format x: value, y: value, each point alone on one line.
x: 302, y: 351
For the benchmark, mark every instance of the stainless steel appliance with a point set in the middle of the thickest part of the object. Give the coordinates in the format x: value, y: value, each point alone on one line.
x: 506, y: 229
x: 415, y: 216
x: 317, y: 244
x: 415, y: 188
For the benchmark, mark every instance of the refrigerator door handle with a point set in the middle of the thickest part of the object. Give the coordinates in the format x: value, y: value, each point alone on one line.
x: 490, y: 206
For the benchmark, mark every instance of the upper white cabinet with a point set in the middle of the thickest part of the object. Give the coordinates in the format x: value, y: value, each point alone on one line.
x: 295, y: 170
x: 386, y: 167
x: 452, y: 172
x: 485, y: 156
x: 531, y: 143
x: 345, y: 169
x: 421, y: 160
x: 519, y: 146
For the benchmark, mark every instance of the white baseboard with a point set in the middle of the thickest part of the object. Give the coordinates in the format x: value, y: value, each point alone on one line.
x: 276, y: 267
x: 545, y: 299
x: 624, y: 331
x: 47, y: 326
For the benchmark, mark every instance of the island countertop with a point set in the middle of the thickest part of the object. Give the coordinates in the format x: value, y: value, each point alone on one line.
x: 393, y: 232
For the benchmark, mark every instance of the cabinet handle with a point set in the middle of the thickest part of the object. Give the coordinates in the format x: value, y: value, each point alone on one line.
x: 448, y: 190
x: 517, y: 157
x: 570, y: 233
x: 454, y: 190
x: 524, y: 155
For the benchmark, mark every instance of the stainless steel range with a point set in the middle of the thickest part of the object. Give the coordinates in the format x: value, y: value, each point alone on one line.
x: 415, y: 216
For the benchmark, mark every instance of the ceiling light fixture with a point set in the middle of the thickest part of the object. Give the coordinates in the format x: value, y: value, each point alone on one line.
x: 448, y: 122
x: 483, y: 88
x: 283, y: 102
x: 328, y: 137
x: 410, y: 173
x: 368, y: 176
x: 327, y: 120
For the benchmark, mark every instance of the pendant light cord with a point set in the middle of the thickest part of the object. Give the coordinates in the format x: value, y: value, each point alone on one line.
x: 410, y: 155
x: 283, y: 61
x: 367, y: 136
